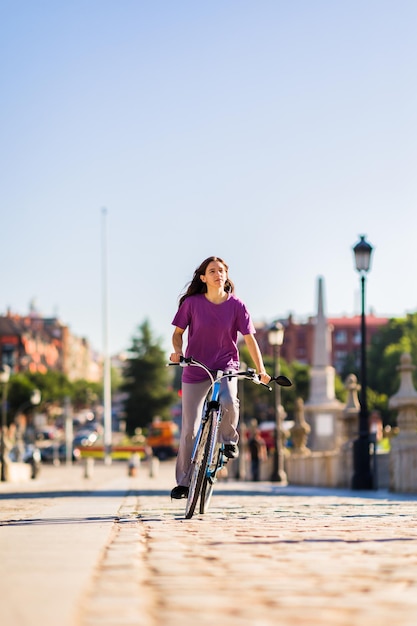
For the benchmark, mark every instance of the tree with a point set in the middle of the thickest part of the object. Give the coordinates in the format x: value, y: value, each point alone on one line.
x: 400, y: 335
x: 20, y: 392
x: 54, y: 386
x: 259, y: 403
x: 146, y: 381
x: 85, y: 394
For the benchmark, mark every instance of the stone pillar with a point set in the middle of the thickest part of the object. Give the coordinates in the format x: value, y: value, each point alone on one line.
x: 403, y: 456
x: 347, y: 431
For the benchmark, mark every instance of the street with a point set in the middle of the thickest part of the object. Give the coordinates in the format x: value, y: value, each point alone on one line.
x: 115, y: 550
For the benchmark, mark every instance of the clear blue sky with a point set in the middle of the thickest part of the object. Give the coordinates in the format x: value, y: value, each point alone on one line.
x: 268, y: 132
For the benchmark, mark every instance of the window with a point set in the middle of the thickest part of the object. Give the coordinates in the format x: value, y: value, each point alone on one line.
x: 340, y: 336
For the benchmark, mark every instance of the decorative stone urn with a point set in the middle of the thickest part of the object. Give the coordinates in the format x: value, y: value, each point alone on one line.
x: 300, y: 430
x: 349, y: 419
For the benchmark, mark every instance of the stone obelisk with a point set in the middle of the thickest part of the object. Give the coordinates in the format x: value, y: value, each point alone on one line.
x: 322, y: 409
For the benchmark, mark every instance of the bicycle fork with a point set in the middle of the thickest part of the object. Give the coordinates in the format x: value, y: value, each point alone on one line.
x: 215, y: 430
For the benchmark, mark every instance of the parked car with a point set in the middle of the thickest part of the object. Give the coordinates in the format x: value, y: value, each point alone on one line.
x: 46, y: 434
x: 49, y: 454
x: 84, y: 438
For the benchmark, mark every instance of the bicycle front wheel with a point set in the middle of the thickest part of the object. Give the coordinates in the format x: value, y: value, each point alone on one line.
x: 199, y: 467
x: 209, y: 480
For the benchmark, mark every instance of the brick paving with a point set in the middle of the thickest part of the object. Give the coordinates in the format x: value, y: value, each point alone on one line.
x: 115, y: 551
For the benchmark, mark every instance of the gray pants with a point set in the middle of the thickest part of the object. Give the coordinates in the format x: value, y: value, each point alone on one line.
x: 193, y: 396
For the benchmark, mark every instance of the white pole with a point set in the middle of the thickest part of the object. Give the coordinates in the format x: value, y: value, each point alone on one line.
x: 106, y: 357
x: 69, y: 435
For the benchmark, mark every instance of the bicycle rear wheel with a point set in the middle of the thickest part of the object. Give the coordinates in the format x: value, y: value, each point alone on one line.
x: 199, y: 467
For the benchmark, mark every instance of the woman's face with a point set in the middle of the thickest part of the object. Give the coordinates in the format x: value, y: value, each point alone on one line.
x: 215, y: 276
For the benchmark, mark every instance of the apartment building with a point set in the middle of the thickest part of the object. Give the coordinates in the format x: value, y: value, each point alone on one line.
x: 31, y: 343
x: 299, y: 338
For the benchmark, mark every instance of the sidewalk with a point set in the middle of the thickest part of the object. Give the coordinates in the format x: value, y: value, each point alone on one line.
x: 115, y: 551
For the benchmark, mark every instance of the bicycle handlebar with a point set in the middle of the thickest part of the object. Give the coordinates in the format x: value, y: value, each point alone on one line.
x: 249, y: 374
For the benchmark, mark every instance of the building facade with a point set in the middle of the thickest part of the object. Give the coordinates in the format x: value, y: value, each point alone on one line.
x: 299, y: 338
x: 31, y: 343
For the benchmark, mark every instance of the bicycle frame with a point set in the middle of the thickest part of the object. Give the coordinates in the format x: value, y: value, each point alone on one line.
x: 206, y: 443
x: 210, y: 404
x: 207, y: 455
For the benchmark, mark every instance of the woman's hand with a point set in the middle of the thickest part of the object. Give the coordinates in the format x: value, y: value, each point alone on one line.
x: 264, y: 378
x: 175, y: 357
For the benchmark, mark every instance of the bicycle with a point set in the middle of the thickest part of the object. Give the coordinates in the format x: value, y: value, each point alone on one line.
x: 208, y: 456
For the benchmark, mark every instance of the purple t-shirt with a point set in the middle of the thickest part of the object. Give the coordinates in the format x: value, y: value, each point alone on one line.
x: 212, y: 333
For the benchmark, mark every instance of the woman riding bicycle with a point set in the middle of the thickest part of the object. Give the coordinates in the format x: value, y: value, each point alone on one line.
x: 213, y: 316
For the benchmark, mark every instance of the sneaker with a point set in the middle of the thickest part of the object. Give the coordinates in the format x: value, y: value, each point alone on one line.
x: 179, y: 492
x: 231, y: 450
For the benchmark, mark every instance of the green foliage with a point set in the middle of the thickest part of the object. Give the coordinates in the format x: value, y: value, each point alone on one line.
x: 379, y: 402
x: 19, y: 394
x: 383, y: 359
x: 400, y: 335
x: 116, y: 378
x: 350, y: 366
x: 84, y: 394
x: 387, y: 346
x: 340, y: 390
x: 54, y: 388
x: 146, y: 381
x: 258, y: 403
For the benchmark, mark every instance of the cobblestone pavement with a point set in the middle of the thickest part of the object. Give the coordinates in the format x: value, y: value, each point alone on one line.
x: 120, y: 553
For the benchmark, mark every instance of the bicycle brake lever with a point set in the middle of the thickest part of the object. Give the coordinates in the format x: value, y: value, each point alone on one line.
x: 259, y: 382
x: 185, y: 360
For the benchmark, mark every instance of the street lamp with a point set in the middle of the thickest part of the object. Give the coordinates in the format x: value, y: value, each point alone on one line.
x: 276, y: 339
x: 362, y: 475
x: 4, y: 381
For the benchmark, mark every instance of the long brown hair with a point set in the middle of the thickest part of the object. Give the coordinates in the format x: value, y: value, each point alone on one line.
x: 197, y: 286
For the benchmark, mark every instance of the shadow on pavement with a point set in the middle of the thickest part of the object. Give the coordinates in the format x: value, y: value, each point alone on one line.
x: 82, y: 493
x: 250, y: 490
x: 59, y: 520
x: 243, y: 489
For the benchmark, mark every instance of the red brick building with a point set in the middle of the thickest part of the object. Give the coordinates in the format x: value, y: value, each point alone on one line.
x: 299, y: 338
x: 31, y: 343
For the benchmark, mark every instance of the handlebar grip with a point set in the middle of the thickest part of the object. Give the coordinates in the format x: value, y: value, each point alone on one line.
x: 181, y: 361
x: 186, y: 360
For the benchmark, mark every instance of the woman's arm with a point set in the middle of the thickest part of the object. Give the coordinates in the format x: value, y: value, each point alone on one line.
x: 177, y: 345
x: 256, y: 356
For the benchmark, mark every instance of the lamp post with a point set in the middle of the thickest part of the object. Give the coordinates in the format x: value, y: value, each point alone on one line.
x: 4, y: 380
x: 276, y: 339
x: 362, y: 475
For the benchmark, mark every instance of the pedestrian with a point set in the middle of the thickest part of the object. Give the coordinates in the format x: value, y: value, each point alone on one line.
x: 257, y: 453
x: 213, y: 317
